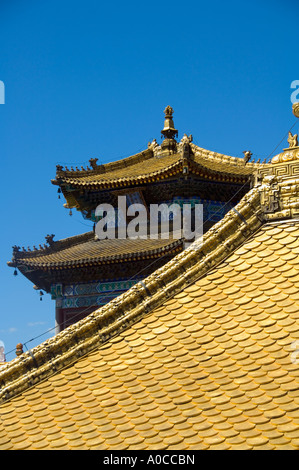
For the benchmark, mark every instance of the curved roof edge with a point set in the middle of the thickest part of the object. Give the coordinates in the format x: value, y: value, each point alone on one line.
x: 102, y: 168
x: 224, y: 163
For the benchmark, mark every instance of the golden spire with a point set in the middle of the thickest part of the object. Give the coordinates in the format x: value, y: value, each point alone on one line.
x: 169, y: 144
x: 169, y: 131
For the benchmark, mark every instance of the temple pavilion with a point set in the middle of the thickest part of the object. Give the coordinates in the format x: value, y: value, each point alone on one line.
x: 202, y: 354
x: 83, y: 272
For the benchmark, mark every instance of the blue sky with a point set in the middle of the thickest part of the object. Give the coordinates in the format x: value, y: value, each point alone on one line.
x: 91, y: 79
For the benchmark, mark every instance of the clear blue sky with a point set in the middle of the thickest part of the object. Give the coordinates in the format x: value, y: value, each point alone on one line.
x: 91, y: 79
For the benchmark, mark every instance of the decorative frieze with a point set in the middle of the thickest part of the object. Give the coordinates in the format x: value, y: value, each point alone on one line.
x: 89, y: 294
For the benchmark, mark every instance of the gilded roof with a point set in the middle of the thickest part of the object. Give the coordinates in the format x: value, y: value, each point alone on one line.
x: 146, y: 166
x: 201, y: 355
x: 123, y: 170
x: 210, y: 369
x: 86, y: 248
x: 287, y: 155
x: 224, y: 163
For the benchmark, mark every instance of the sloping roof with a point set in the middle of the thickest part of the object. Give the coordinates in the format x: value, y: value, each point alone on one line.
x: 146, y: 166
x: 62, y: 260
x: 225, y: 164
x: 209, y: 369
x: 200, y: 355
x: 87, y: 249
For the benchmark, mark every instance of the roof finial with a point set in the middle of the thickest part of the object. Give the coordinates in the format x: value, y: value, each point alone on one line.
x: 50, y: 239
x: 169, y: 131
x: 19, y: 349
x: 293, y: 140
x: 169, y: 144
x: 247, y: 156
x: 291, y: 153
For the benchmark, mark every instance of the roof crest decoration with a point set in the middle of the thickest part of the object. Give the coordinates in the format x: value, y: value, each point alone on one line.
x: 292, y: 152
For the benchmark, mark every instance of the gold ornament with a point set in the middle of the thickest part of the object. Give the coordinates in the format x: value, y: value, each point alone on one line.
x: 296, y: 109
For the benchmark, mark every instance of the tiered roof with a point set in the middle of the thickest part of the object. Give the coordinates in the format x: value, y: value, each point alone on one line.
x: 155, y: 164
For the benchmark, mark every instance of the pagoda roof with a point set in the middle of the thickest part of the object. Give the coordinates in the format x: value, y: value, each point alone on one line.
x: 147, y: 166
x: 87, y: 250
x: 199, y: 355
x: 157, y: 163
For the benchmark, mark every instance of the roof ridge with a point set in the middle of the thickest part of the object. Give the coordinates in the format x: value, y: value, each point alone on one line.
x: 99, y: 169
x: 124, y: 256
x: 53, y: 246
x: 209, y: 154
x: 70, y: 180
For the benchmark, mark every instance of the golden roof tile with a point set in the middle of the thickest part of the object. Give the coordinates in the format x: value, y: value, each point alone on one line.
x: 86, y: 248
